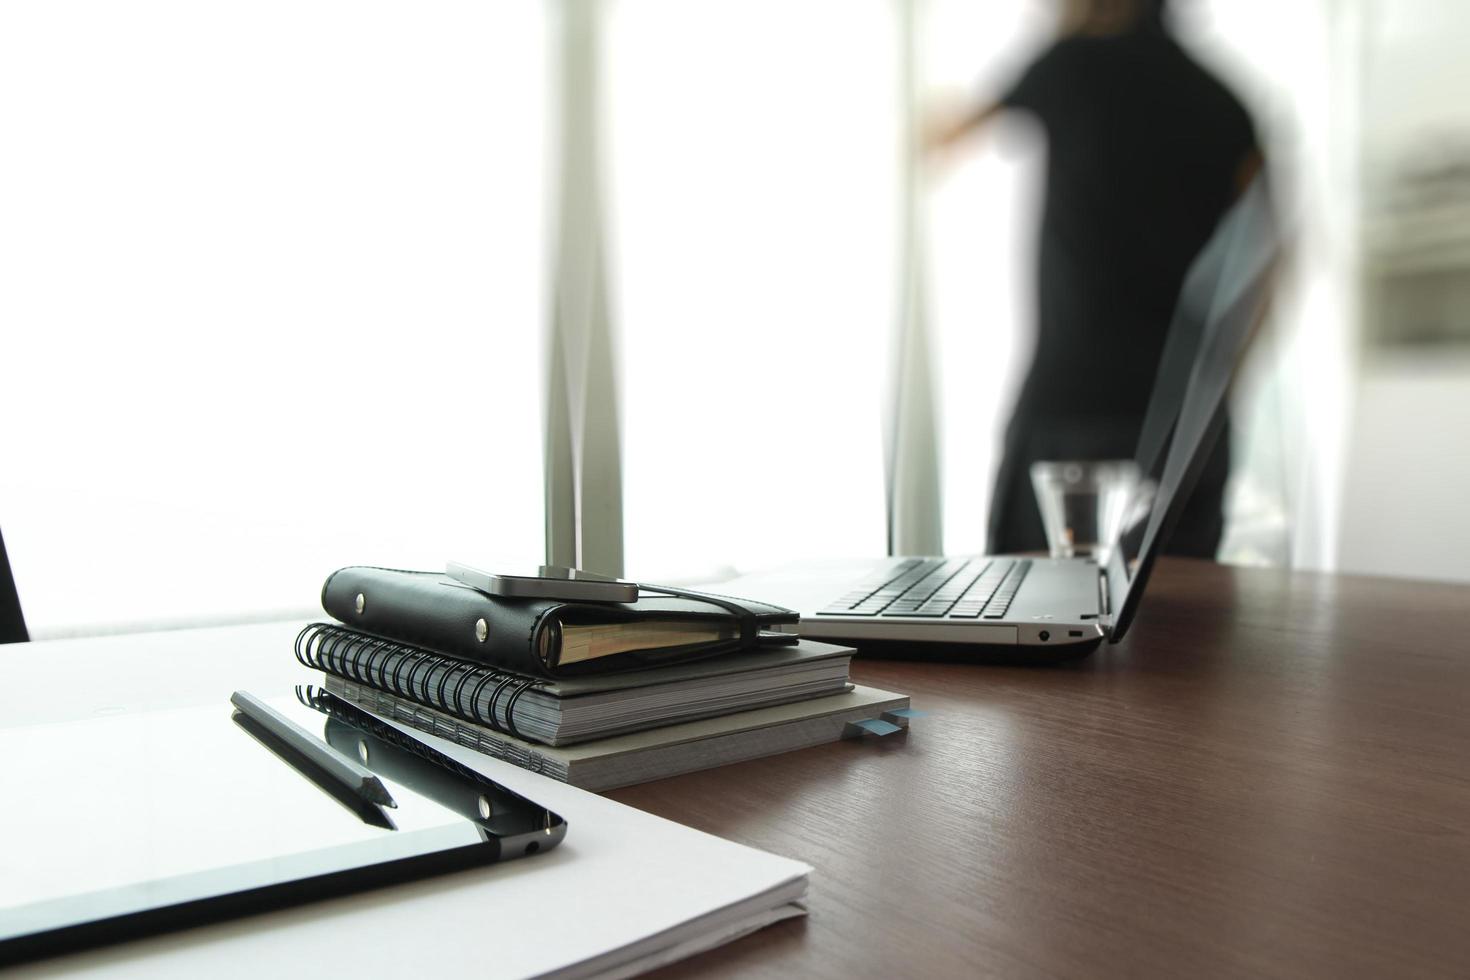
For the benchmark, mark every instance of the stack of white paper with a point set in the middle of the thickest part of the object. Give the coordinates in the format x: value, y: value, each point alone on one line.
x: 626, y: 892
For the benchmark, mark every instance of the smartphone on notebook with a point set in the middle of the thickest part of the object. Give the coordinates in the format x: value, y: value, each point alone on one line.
x: 546, y: 582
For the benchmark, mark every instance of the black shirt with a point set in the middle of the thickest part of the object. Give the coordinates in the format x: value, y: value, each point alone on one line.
x: 1144, y: 149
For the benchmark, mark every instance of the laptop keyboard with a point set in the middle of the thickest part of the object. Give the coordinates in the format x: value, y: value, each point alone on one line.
x: 937, y: 588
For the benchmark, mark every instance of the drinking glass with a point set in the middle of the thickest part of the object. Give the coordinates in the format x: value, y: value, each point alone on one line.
x: 1083, y: 504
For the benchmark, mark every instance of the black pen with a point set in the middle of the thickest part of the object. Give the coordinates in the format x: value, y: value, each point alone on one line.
x: 341, y: 770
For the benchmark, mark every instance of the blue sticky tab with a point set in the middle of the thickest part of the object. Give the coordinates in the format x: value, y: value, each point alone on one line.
x: 904, y: 713
x: 872, y: 726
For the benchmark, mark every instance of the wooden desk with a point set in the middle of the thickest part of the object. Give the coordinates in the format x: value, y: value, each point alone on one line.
x: 1269, y: 777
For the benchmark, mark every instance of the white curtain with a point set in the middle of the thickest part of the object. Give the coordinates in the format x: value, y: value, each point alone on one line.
x: 753, y: 174
x: 271, y: 291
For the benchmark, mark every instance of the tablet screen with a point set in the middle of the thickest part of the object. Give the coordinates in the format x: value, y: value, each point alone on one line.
x: 140, y: 814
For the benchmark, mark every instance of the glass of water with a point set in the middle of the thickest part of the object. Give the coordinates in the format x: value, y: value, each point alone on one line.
x: 1083, y: 504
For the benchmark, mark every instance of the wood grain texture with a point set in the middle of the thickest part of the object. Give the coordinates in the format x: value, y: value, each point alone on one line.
x: 1269, y: 777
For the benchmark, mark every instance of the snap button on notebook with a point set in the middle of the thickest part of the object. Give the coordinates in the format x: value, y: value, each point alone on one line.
x: 482, y: 630
x: 361, y: 602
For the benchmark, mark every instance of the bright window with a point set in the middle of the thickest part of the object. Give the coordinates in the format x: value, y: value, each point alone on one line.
x: 271, y: 298
x: 753, y: 177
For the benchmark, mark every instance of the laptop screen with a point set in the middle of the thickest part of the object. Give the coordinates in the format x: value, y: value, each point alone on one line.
x: 1222, y: 301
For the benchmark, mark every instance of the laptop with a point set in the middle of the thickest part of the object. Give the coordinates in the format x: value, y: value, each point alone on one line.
x: 1034, y: 608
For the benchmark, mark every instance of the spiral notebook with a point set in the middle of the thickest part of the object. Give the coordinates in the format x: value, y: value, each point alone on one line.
x: 625, y: 760
x: 570, y: 710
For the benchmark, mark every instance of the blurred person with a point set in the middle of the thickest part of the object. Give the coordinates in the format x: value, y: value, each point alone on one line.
x: 1146, y: 150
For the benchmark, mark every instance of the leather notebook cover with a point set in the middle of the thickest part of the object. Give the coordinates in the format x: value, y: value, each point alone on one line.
x: 547, y: 637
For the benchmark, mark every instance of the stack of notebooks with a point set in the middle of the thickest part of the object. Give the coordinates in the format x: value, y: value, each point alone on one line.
x: 598, y: 695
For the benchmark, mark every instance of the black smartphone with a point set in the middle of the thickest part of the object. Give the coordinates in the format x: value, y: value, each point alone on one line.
x: 546, y: 582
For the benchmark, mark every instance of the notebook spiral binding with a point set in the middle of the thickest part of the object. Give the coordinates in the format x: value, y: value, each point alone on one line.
x: 416, y: 674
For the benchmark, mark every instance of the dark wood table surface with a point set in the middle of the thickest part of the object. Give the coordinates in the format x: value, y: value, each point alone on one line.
x: 1270, y: 776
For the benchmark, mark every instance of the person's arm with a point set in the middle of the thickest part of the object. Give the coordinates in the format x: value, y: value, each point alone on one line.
x: 942, y: 134
x: 1249, y: 168
x: 1034, y: 91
